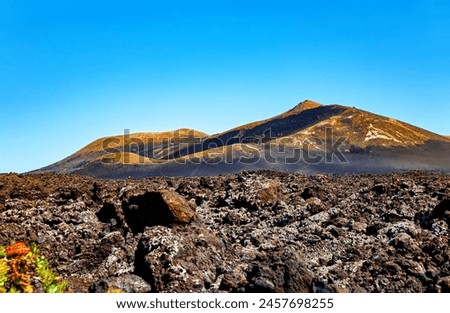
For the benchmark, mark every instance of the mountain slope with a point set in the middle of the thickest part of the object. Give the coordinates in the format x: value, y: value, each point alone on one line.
x: 363, y: 129
x: 125, y: 149
x: 310, y: 138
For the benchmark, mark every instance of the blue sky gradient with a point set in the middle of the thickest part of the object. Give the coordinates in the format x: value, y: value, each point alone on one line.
x: 74, y: 71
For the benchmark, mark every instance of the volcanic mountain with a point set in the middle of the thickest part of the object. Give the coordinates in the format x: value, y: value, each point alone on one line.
x: 310, y: 138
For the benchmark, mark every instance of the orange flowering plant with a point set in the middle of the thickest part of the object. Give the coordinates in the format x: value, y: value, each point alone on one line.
x: 23, y: 269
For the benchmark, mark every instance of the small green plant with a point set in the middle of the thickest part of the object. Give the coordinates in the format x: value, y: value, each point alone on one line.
x: 22, y: 267
x: 4, y: 269
x: 2, y: 252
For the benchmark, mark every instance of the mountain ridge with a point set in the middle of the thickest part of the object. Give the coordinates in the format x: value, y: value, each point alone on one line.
x: 308, y: 127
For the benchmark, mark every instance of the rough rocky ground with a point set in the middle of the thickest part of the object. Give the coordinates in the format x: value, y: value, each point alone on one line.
x: 249, y: 232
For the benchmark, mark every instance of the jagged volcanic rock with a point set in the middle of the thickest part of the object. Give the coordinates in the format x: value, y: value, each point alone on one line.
x: 248, y: 232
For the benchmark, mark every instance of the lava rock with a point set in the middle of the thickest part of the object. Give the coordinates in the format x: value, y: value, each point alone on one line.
x: 163, y: 207
x: 441, y: 209
x: 180, y: 259
x: 127, y: 283
x: 244, y: 232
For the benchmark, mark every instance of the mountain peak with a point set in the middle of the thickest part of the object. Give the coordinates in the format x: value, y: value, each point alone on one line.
x: 305, y: 105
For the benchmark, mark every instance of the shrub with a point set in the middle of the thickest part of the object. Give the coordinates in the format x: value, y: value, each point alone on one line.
x: 23, y: 269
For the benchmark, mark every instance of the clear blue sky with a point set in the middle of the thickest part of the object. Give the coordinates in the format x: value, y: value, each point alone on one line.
x: 73, y: 71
